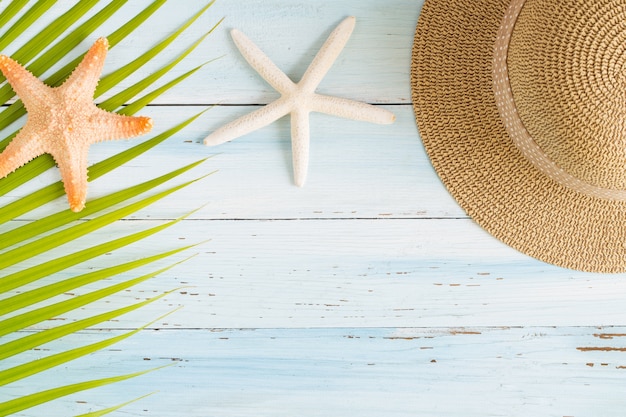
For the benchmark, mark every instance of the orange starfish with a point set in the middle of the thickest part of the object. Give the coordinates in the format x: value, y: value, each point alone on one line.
x: 64, y: 121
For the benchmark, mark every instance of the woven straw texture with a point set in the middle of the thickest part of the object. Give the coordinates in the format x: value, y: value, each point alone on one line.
x: 478, y: 162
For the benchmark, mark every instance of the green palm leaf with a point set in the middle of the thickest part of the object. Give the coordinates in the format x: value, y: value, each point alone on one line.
x: 29, y: 307
x: 30, y: 368
x: 28, y: 401
x: 111, y: 409
x: 12, y: 9
x: 25, y: 21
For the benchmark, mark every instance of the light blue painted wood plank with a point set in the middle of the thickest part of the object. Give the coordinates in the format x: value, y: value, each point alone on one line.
x: 366, y: 372
x: 349, y: 273
x: 374, y: 66
x: 357, y: 170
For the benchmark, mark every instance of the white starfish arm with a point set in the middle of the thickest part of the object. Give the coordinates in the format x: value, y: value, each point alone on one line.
x: 300, y: 139
x: 249, y: 122
x: 261, y: 63
x: 350, y: 109
x: 327, y: 55
x: 84, y: 79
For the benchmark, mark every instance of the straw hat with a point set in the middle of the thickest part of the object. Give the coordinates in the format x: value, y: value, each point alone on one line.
x: 521, y: 105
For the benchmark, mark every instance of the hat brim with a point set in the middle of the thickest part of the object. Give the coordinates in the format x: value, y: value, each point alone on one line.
x: 457, y: 117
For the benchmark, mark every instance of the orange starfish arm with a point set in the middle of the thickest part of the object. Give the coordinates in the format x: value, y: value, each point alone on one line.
x: 73, y: 169
x: 20, y: 151
x: 84, y: 79
x: 104, y: 125
x: 28, y: 87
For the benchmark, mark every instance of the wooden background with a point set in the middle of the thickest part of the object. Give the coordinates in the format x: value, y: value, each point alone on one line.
x: 366, y: 293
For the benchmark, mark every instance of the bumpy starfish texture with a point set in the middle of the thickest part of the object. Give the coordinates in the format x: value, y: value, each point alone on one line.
x: 298, y: 99
x: 63, y: 121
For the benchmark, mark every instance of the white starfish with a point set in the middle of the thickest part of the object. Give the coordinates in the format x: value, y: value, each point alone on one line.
x: 298, y: 99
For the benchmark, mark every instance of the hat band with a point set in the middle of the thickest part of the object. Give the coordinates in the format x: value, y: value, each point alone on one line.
x: 514, y: 125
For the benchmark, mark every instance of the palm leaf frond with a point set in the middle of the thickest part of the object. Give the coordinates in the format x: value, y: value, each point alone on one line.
x: 106, y: 411
x: 21, y: 309
x: 31, y: 400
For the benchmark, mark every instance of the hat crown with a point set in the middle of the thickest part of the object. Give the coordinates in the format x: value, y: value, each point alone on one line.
x: 567, y: 73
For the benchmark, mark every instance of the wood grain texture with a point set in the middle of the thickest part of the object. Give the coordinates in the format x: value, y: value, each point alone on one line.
x: 368, y: 292
x: 373, y: 67
x: 370, y: 372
